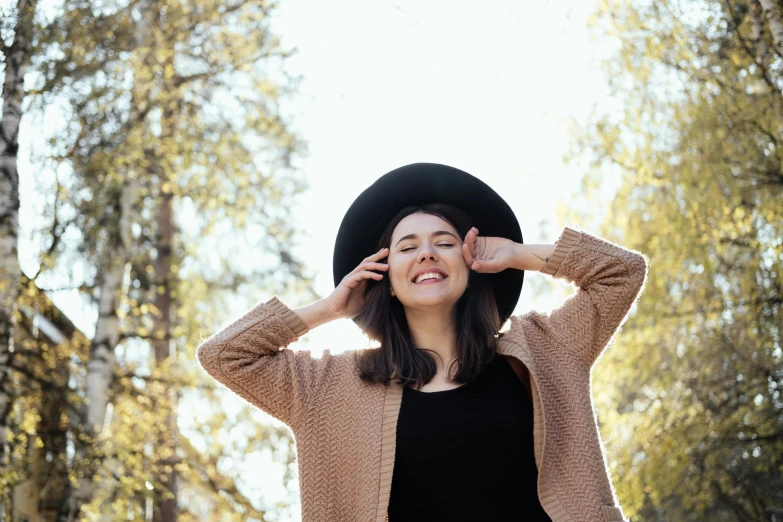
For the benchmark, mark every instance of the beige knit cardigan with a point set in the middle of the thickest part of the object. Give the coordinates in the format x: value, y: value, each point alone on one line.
x: 345, y: 429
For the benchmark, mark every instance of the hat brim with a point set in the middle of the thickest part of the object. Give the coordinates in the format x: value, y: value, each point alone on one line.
x: 420, y: 184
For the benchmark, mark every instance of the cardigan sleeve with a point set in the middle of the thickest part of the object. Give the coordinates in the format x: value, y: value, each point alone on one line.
x: 608, y: 280
x: 250, y: 358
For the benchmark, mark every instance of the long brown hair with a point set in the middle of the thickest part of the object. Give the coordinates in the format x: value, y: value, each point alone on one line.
x: 383, y: 320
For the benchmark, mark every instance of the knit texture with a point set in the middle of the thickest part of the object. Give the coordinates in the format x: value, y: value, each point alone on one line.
x: 345, y: 429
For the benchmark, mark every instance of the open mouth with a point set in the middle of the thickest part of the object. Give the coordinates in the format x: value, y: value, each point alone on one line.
x: 429, y: 278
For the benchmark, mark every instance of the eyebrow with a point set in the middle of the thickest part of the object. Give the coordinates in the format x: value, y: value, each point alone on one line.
x: 434, y: 234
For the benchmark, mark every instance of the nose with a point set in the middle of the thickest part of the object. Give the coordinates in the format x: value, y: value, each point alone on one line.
x: 428, y: 252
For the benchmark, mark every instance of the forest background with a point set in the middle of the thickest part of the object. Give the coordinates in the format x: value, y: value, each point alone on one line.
x: 165, y: 165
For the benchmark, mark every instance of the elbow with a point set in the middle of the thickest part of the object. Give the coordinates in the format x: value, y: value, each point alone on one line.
x: 207, y: 355
x: 638, y: 267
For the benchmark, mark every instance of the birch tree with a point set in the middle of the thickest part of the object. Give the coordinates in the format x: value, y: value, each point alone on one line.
x: 16, y: 57
x: 202, y: 130
x: 225, y: 155
x: 112, y: 272
x: 772, y: 15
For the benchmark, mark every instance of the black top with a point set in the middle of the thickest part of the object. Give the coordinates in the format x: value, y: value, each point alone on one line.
x: 466, y: 454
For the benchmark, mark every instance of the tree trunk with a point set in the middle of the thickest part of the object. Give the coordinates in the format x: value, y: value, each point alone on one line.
x: 102, y: 357
x: 165, y: 501
x: 756, y: 33
x: 773, y: 21
x: 17, y: 60
x: 51, y: 461
x: 100, y: 367
x: 165, y: 508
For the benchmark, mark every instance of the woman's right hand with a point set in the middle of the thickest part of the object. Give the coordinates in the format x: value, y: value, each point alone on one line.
x: 347, y: 300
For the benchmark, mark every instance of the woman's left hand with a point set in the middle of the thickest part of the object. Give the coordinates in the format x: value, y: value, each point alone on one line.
x: 488, y: 254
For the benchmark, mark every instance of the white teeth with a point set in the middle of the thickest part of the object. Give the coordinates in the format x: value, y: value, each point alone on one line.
x: 428, y: 275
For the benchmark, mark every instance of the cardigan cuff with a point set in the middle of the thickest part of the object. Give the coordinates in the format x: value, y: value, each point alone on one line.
x: 567, y: 241
x: 289, y: 317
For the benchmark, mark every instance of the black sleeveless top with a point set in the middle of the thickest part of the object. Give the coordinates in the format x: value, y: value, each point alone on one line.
x: 466, y: 454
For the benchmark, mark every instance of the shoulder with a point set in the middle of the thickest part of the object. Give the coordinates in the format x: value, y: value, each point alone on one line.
x: 529, y: 325
x: 521, y: 370
x: 342, y: 368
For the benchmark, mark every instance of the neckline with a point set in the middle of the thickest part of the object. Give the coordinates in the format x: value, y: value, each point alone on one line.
x: 438, y: 392
x: 478, y: 377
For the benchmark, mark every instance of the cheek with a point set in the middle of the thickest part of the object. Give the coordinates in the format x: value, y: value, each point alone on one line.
x: 396, y: 272
x: 459, y: 269
x: 465, y: 279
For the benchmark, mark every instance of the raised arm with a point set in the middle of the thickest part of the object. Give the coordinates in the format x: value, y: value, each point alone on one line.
x: 608, y: 280
x: 250, y: 358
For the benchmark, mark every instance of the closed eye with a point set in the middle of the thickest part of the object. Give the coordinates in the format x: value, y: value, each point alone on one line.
x: 442, y: 244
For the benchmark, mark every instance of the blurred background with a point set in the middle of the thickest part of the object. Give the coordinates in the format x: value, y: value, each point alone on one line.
x: 165, y: 165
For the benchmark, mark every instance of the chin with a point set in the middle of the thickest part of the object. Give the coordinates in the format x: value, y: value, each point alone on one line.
x: 433, y: 300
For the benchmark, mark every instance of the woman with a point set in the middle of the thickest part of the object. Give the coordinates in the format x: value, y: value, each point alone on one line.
x: 448, y: 419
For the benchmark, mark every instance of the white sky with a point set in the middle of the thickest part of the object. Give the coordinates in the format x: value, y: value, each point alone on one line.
x: 488, y: 90
x: 486, y: 87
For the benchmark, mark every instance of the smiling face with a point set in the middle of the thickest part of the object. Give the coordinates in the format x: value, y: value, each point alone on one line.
x: 425, y: 244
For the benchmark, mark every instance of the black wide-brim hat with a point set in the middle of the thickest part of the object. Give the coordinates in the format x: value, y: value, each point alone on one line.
x: 421, y: 184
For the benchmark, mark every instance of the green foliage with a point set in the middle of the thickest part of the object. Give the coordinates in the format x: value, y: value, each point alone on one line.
x: 179, y: 101
x: 690, y: 397
x: 182, y: 98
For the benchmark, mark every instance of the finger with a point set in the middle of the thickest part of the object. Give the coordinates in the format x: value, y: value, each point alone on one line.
x: 374, y: 266
x: 466, y: 253
x: 353, y: 280
x: 367, y: 274
x: 380, y: 254
x: 471, y: 235
x: 469, y: 250
x: 370, y: 260
x: 491, y: 266
x: 369, y: 266
x: 469, y: 246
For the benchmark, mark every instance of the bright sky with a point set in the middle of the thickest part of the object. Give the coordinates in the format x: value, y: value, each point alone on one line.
x: 488, y: 90
x: 486, y: 87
